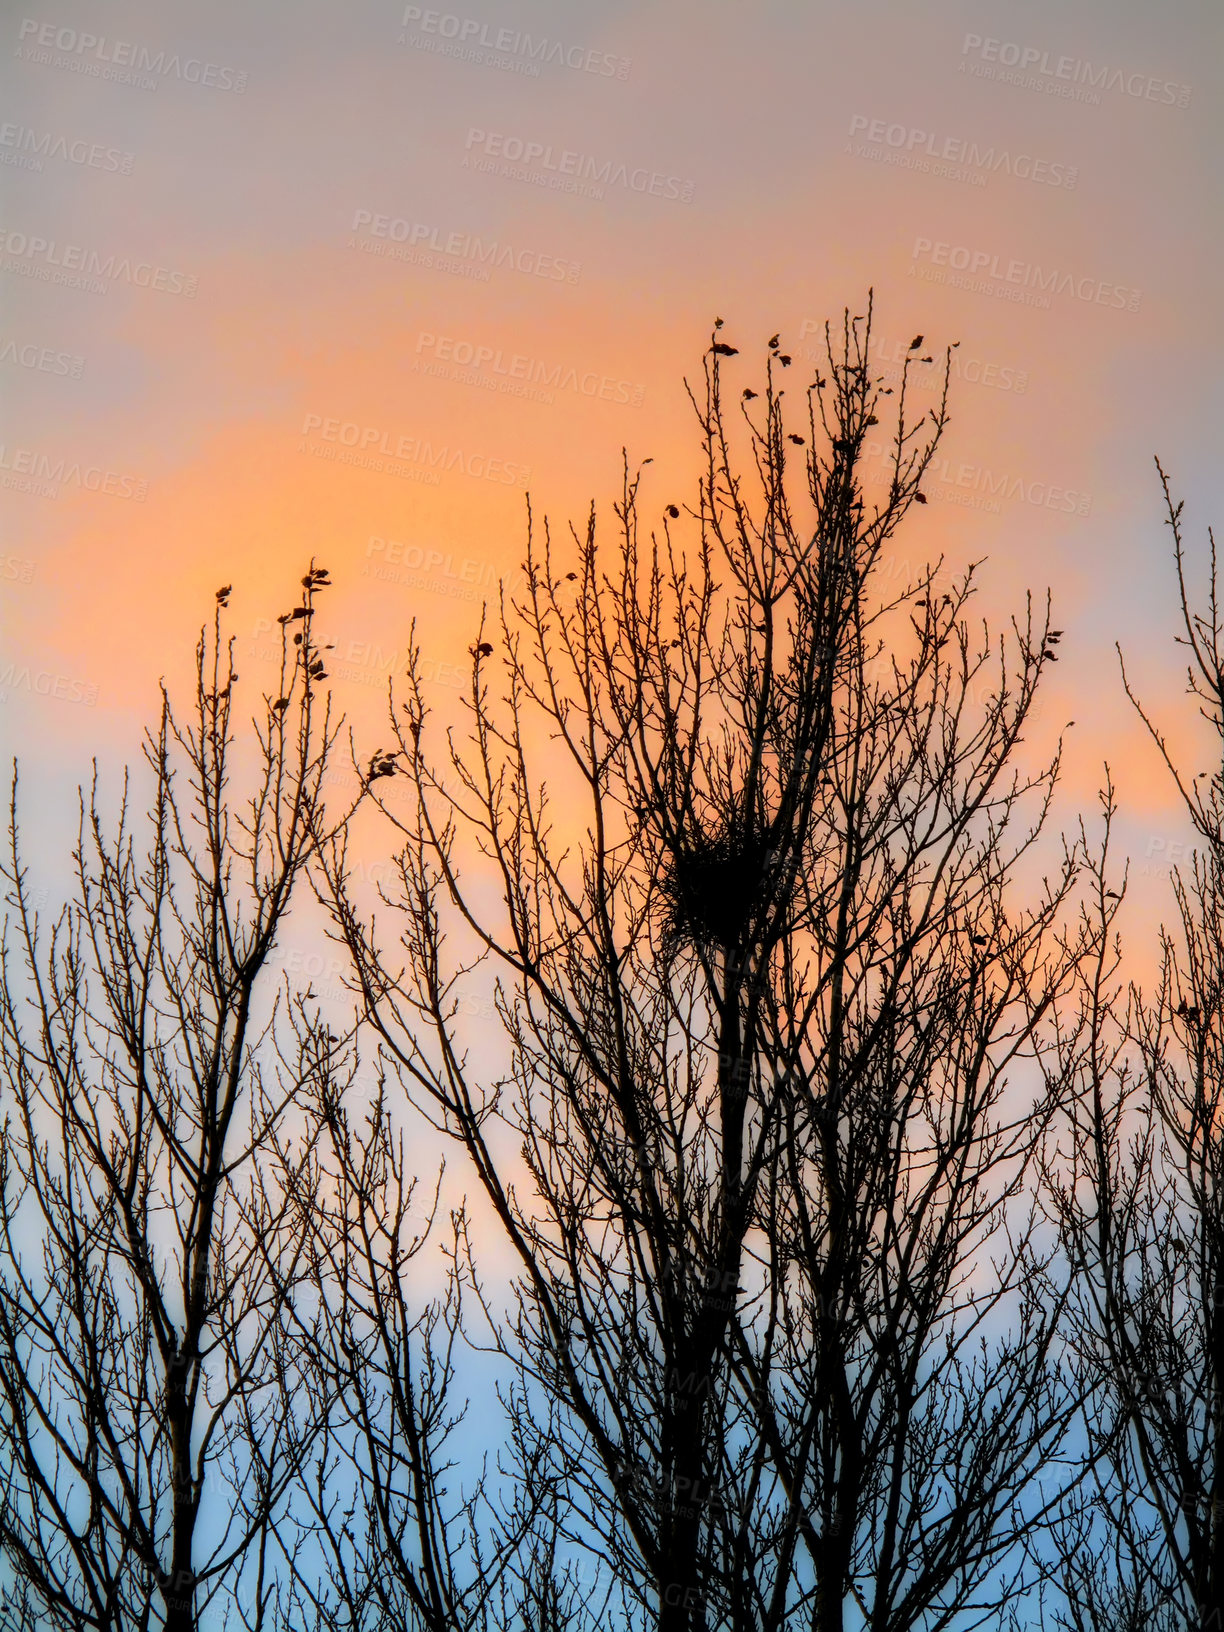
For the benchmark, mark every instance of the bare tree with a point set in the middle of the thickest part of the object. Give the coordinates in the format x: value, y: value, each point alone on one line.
x: 762, y: 981
x: 149, y: 1246
x: 1134, y: 1181
x: 393, y: 1531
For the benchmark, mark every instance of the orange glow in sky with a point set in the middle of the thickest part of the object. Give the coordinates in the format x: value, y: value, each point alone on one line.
x: 350, y: 282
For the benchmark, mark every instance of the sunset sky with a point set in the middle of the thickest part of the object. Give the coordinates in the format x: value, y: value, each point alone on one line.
x: 238, y: 241
x: 349, y: 281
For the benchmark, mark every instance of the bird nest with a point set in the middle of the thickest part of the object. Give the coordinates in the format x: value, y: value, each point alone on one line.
x: 715, y: 885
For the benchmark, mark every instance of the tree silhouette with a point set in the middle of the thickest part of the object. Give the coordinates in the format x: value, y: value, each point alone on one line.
x: 149, y: 1246
x: 403, y: 1535
x: 762, y: 978
x: 1134, y: 1181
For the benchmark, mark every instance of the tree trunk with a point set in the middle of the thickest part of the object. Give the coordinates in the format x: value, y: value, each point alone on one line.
x: 178, y: 1596
x: 682, y: 1589
x: 179, y: 1586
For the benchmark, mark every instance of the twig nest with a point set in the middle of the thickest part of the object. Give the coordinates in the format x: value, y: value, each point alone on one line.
x: 715, y: 884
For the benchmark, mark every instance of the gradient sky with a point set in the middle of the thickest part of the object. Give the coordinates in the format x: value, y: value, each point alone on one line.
x: 794, y: 151
x: 263, y: 146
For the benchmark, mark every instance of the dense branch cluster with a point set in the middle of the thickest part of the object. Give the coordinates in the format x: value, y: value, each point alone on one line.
x: 866, y: 1241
